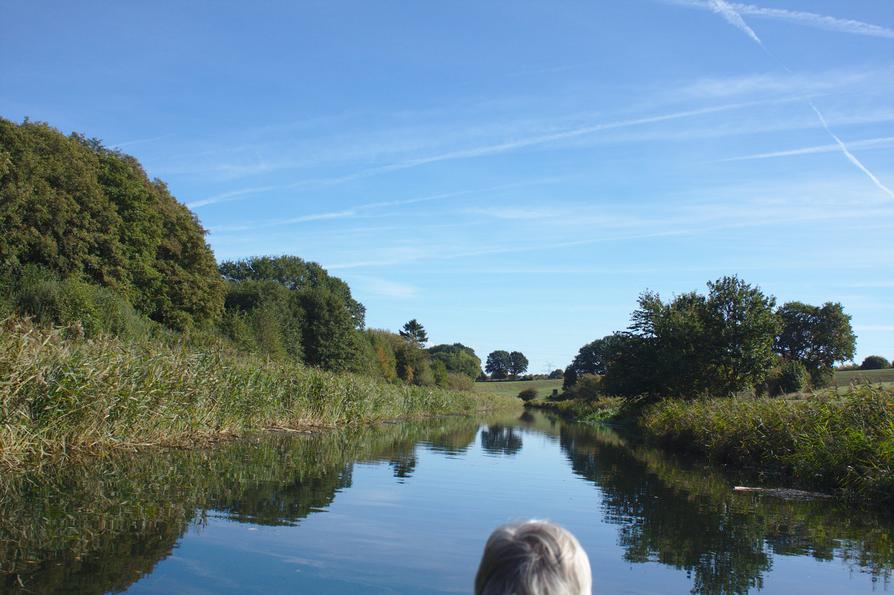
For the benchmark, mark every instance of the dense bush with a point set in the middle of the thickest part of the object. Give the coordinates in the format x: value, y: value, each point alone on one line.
x: 528, y: 394
x: 787, y: 376
x: 874, y: 362
x: 587, y: 388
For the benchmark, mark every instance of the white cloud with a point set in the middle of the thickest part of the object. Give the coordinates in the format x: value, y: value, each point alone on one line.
x: 384, y: 288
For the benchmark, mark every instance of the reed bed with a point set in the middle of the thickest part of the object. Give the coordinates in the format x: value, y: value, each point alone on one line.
x: 838, y: 442
x: 60, y: 395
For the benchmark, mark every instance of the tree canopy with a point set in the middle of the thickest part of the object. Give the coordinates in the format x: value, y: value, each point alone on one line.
x: 78, y: 209
x: 457, y: 358
x: 816, y: 336
x: 518, y: 363
x: 499, y: 364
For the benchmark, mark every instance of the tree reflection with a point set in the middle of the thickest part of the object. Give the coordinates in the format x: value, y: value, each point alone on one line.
x: 102, y: 525
x: 498, y: 439
x: 691, y: 519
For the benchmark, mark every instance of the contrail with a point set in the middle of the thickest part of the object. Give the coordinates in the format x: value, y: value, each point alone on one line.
x: 848, y: 154
x: 723, y: 8
x: 735, y: 19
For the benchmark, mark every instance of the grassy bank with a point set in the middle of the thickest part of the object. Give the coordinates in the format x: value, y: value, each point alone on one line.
x: 511, y: 388
x: 59, y: 395
x: 842, y: 443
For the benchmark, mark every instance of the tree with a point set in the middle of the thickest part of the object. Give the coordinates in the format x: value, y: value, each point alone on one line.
x: 818, y: 337
x: 556, y: 374
x: 499, y: 364
x: 518, y: 363
x: 79, y: 210
x: 592, y: 358
x: 328, y: 334
x: 719, y: 344
x: 458, y: 359
x: 740, y: 326
x: 414, y: 333
x: 874, y: 362
x: 296, y: 274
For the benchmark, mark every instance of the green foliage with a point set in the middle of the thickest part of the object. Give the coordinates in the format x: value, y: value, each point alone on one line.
x: 415, y: 333
x: 720, y: 343
x: 80, y: 210
x: 569, y: 377
x: 458, y: 358
x: 841, y: 442
x: 788, y: 376
x: 528, y: 394
x: 875, y: 362
x: 499, y: 364
x: 328, y: 337
x: 439, y: 373
x: 587, y: 388
x: 265, y: 317
x: 518, y: 363
x: 556, y: 374
x: 295, y: 274
x: 84, y: 308
x: 818, y: 337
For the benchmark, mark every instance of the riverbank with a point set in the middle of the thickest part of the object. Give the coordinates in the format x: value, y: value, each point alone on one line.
x: 837, y: 442
x: 63, y: 395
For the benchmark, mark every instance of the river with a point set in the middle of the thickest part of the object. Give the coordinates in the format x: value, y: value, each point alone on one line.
x: 406, y: 508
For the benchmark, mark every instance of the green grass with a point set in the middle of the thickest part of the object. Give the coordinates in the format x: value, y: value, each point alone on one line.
x: 512, y: 388
x: 60, y: 395
x: 830, y: 441
x: 846, y: 377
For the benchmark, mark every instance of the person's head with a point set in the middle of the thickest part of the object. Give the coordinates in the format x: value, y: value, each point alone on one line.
x: 533, y: 558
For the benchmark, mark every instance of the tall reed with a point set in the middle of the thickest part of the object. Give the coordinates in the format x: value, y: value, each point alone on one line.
x: 60, y: 394
x: 841, y: 442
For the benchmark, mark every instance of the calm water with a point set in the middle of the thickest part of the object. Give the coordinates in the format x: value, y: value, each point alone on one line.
x: 406, y: 508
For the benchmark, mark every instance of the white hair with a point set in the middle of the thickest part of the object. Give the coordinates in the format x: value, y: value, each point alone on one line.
x: 533, y: 558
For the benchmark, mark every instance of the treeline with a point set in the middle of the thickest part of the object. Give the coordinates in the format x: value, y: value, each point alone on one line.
x: 90, y: 242
x: 730, y: 340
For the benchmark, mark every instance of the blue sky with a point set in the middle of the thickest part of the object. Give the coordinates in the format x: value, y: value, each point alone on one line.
x: 512, y: 174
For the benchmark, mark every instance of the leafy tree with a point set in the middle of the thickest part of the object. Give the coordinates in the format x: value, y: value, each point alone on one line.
x: 328, y: 335
x: 414, y: 332
x: 295, y: 274
x: 740, y: 328
x: 80, y: 210
x: 720, y: 343
x: 499, y: 364
x: 789, y: 377
x: 556, y: 374
x: 874, y: 362
x: 518, y: 363
x: 592, y: 358
x: 458, y: 359
x: 588, y: 387
x: 816, y: 336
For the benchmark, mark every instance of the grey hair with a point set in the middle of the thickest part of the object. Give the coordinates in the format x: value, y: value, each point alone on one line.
x: 533, y: 558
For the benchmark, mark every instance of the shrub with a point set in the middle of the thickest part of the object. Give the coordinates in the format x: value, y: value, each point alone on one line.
x: 789, y: 376
x: 459, y: 382
x: 874, y: 362
x: 528, y: 394
x: 588, y: 387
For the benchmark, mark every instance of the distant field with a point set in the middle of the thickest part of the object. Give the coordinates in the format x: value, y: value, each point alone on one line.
x: 874, y: 376
x: 544, y: 387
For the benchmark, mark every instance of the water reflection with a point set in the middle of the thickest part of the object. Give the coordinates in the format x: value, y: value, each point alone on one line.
x: 498, y: 439
x: 691, y: 519
x: 101, y: 526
